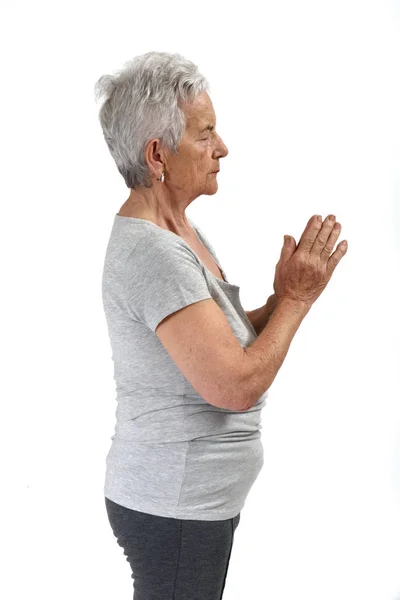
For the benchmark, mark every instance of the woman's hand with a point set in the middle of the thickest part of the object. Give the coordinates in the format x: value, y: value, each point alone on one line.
x: 293, y: 248
x: 304, y: 270
x: 270, y: 306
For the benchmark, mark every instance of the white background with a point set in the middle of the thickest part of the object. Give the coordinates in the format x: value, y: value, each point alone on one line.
x: 306, y: 96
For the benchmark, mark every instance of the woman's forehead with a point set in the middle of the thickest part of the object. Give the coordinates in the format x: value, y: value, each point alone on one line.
x: 201, y: 113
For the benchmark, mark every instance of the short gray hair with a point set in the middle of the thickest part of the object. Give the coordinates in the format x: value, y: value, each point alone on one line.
x: 141, y: 103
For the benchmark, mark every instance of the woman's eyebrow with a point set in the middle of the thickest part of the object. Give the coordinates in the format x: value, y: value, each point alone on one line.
x: 210, y: 127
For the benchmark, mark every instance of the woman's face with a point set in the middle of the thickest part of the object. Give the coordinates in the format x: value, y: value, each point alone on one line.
x: 200, y: 151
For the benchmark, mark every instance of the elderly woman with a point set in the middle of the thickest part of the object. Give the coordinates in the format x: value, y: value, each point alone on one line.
x: 192, y: 368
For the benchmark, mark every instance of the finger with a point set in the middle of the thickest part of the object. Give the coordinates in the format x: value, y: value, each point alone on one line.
x: 336, y: 257
x: 323, y: 236
x: 302, y: 235
x: 326, y: 252
x: 287, y: 245
x: 310, y: 233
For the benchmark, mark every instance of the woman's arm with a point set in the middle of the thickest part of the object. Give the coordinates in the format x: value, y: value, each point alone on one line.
x: 259, y: 317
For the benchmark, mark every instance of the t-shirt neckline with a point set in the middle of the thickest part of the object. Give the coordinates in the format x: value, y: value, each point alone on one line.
x: 147, y: 222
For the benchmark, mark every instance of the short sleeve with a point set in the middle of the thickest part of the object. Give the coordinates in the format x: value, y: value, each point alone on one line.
x: 162, y: 275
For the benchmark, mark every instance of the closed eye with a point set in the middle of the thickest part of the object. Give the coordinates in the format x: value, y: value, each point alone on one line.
x: 210, y: 128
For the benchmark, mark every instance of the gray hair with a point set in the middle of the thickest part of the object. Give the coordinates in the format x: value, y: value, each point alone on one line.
x: 142, y: 102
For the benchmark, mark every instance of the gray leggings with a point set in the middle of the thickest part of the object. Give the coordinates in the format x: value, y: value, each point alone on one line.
x: 173, y: 559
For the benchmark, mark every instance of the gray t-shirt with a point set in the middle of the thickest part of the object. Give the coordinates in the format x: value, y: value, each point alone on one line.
x: 172, y: 454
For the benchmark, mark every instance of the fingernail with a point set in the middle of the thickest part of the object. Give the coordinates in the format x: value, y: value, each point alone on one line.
x: 319, y: 219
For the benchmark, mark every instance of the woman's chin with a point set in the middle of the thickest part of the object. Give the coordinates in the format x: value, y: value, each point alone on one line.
x: 210, y: 190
